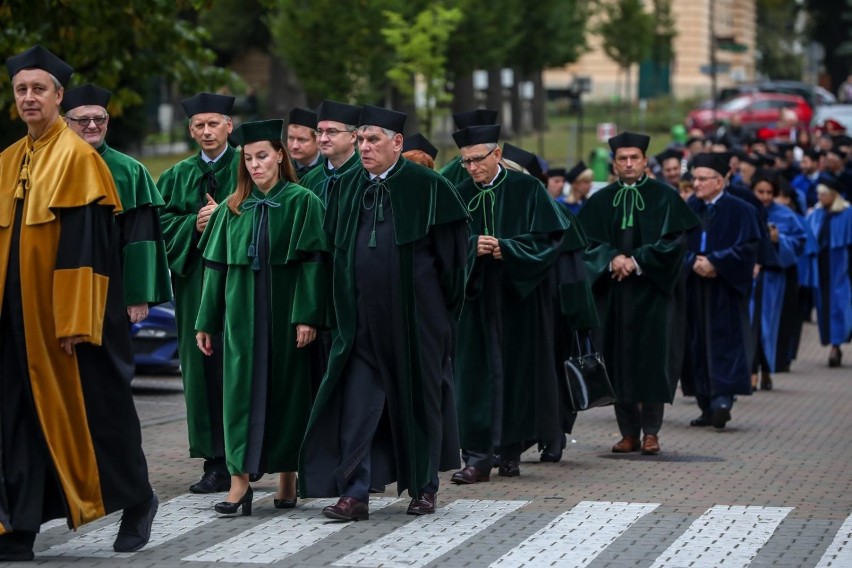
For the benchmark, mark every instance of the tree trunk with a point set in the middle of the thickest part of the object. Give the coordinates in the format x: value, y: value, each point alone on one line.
x: 463, y: 96
x: 494, y: 97
x: 539, y: 102
x: 518, y: 124
x: 284, y: 90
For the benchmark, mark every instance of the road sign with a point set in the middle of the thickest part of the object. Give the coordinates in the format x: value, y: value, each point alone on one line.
x: 606, y: 130
x: 720, y: 68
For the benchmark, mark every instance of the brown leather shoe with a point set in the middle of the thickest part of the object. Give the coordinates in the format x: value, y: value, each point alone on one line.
x: 348, y: 509
x: 468, y: 475
x: 650, y: 445
x: 423, y: 505
x: 626, y: 445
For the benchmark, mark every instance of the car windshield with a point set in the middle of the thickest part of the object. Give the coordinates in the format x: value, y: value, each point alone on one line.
x: 734, y: 105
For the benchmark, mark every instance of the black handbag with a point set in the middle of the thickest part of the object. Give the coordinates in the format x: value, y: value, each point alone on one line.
x: 586, y: 380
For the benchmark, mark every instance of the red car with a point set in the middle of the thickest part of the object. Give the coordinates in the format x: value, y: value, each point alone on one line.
x: 757, y: 110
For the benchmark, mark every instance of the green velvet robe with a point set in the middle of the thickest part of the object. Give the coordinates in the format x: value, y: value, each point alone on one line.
x: 505, y: 349
x: 182, y: 187
x: 455, y: 172
x: 431, y: 209
x: 642, y: 325
x: 299, y: 281
x: 318, y: 179
x: 143, y: 252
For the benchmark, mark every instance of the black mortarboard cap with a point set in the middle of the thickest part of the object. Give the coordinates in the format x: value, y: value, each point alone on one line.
x: 477, y: 117
x: 259, y: 131
x: 85, y: 95
x: 303, y: 117
x: 766, y: 159
x: 523, y: 158
x: 419, y: 142
x: 668, y: 154
x: 556, y: 172
x: 208, y: 102
x: 830, y: 182
x: 473, y: 135
x: 575, y: 172
x: 692, y: 139
x: 719, y: 161
x: 841, y: 140
x: 629, y: 140
x: 338, y: 112
x: 38, y: 57
x: 382, y: 117
x: 813, y: 154
x: 751, y: 159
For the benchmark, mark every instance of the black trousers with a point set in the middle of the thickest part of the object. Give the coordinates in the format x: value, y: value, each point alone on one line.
x: 634, y: 419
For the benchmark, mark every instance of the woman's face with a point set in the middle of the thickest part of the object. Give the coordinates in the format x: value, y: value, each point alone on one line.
x: 826, y: 198
x: 262, y: 161
x: 763, y: 191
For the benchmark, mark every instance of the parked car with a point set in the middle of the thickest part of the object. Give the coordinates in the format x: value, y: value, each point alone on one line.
x: 154, y: 340
x: 838, y: 113
x: 757, y: 110
x: 804, y: 90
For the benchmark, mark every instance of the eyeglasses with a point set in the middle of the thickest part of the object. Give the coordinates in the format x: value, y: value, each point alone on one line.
x: 330, y: 132
x: 85, y: 120
x: 702, y: 179
x: 467, y: 162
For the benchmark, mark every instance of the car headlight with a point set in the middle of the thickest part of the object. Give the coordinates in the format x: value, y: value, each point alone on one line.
x: 149, y: 333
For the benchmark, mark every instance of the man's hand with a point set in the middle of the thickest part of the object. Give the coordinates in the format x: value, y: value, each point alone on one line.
x: 704, y: 267
x: 496, y: 252
x: 622, y: 267
x: 304, y: 335
x: 204, y: 214
x: 755, y: 271
x: 68, y: 343
x: 205, y: 342
x: 485, y: 245
x: 773, y: 233
x: 137, y: 312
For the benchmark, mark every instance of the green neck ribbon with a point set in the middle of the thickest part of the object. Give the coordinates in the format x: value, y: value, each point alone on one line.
x: 261, y: 204
x: 629, y: 198
x: 479, y: 201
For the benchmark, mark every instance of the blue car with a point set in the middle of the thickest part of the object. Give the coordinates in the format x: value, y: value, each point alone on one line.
x: 155, y: 344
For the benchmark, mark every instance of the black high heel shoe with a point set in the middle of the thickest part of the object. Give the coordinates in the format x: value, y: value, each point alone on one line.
x: 285, y: 503
x: 228, y: 508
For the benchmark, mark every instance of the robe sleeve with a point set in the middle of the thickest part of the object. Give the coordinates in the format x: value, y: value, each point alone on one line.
x: 450, y: 242
x: 735, y: 265
x: 597, y: 257
x: 181, y: 238
x: 791, y: 244
x: 214, y: 246
x: 81, y: 277
x: 527, y: 259
x: 661, y: 260
x: 144, y: 260
x: 312, y: 296
x: 576, y: 301
x: 473, y: 271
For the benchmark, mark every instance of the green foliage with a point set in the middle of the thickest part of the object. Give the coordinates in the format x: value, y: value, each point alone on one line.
x: 235, y: 26
x: 420, y: 48
x: 831, y: 27
x: 553, y: 34
x: 664, y: 33
x: 626, y: 31
x: 335, y: 48
x: 487, y: 35
x: 777, y: 39
x: 117, y: 45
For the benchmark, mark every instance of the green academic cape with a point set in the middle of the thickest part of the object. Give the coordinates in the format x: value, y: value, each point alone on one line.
x: 259, y: 307
x: 321, y: 178
x: 642, y: 324
x: 183, y: 188
x: 145, y: 266
x: 455, y: 172
x: 427, y: 212
x: 505, y: 348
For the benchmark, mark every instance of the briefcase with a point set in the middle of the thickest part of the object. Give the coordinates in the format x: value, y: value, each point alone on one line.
x: 586, y: 379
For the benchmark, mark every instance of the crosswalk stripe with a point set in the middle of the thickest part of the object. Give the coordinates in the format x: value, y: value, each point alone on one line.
x: 431, y: 535
x: 49, y: 525
x: 839, y: 552
x: 282, y: 536
x: 575, y: 538
x: 175, y: 518
x: 724, y: 536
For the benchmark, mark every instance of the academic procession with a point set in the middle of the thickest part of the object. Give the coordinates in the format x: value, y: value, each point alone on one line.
x: 357, y: 328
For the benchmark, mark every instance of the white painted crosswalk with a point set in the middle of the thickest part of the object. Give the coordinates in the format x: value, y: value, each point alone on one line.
x: 728, y: 536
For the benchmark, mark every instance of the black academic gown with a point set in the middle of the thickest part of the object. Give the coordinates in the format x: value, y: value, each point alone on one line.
x: 719, y: 337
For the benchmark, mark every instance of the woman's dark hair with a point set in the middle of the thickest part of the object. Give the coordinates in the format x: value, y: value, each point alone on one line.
x: 244, y: 182
x: 780, y: 186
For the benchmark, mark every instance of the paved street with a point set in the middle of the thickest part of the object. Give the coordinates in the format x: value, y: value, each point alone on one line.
x: 772, y: 489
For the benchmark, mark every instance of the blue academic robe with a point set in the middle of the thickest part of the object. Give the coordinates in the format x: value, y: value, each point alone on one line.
x: 718, y: 327
x: 791, y: 244
x: 806, y: 189
x: 831, y: 265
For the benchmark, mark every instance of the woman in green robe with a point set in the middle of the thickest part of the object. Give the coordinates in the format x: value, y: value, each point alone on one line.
x: 267, y: 237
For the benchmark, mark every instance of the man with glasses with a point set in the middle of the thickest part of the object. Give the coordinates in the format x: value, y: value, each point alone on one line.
x: 336, y: 136
x: 70, y: 436
x: 143, y: 251
x: 400, y: 235
x: 636, y: 228
x: 720, y: 263
x: 454, y: 171
x: 302, y: 141
x: 517, y: 235
x: 191, y: 190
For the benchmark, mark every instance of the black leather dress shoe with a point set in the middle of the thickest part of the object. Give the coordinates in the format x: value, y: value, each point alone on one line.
x: 212, y: 482
x: 547, y: 457
x: 509, y: 469
x: 347, y: 509
x: 423, y: 505
x: 134, y: 532
x: 703, y: 420
x: 285, y: 503
x: 469, y: 475
x: 721, y: 416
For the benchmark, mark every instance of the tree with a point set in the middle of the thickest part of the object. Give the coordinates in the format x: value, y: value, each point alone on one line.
x: 778, y: 43
x: 832, y: 28
x: 420, y: 48
x: 120, y: 46
x: 335, y: 48
x: 627, y: 33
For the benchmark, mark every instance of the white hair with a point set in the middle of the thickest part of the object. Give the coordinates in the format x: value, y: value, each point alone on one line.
x: 388, y: 132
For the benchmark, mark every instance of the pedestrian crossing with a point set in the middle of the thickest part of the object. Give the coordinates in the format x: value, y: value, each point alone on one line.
x: 723, y: 535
